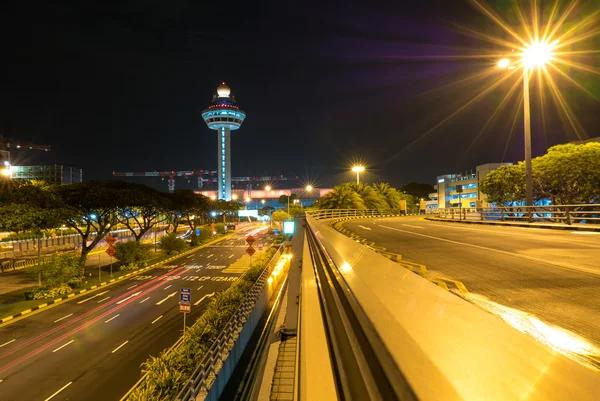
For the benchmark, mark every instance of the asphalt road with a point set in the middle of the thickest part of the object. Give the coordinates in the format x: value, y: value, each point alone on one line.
x: 551, y: 274
x: 91, y: 347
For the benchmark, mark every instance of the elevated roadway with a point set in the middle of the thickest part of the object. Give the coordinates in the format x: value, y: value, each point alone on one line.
x: 91, y: 347
x: 551, y: 274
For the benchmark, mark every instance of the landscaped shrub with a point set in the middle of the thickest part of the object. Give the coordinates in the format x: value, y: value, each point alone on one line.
x: 132, y: 252
x: 172, y: 245
x: 58, y: 270
x: 45, y: 292
x: 75, y: 282
x: 220, y: 228
x: 131, y: 266
x: 168, y: 372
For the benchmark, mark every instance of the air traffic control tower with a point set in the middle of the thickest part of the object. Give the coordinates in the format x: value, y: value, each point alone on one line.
x: 224, y: 116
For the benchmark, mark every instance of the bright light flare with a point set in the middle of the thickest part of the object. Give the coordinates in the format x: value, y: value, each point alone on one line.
x: 358, y: 169
x: 5, y: 172
x: 267, y: 188
x: 309, y: 188
x: 537, y: 54
x: 504, y: 63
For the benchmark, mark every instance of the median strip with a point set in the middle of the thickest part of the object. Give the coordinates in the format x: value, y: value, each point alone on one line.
x: 56, y: 301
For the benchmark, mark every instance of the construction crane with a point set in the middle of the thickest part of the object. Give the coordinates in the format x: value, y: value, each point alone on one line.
x: 204, y: 176
x: 6, y: 144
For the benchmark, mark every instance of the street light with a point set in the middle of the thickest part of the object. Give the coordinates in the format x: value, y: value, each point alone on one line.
x: 234, y: 197
x: 213, y: 197
x: 5, y: 172
x: 358, y: 169
x: 268, y: 188
x: 536, y: 55
x: 309, y: 188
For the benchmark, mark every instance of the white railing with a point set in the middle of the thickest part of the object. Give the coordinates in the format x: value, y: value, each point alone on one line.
x: 565, y: 214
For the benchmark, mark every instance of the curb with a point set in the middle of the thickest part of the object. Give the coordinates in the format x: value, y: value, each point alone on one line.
x: 522, y: 225
x: 106, y: 283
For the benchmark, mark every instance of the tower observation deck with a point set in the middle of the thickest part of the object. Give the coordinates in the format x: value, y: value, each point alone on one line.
x: 224, y: 116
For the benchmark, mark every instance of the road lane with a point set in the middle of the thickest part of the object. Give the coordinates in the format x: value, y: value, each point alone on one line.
x: 554, y: 275
x: 88, y: 361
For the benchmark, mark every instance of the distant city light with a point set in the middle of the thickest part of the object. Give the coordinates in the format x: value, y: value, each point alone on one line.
x: 234, y: 197
x: 268, y: 188
x: 309, y: 188
x: 248, y: 199
x: 213, y: 197
x: 503, y: 63
x: 5, y: 172
x: 213, y: 214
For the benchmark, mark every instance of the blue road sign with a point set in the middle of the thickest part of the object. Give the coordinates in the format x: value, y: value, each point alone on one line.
x: 276, y: 232
x: 185, y: 296
x: 197, y: 232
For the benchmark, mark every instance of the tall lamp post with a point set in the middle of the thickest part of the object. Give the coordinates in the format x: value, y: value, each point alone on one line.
x: 358, y: 169
x: 536, y: 55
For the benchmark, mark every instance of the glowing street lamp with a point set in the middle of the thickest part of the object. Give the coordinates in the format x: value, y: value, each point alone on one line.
x: 234, y: 197
x: 5, y: 172
x: 213, y: 197
x: 309, y: 188
x: 358, y: 169
x: 536, y: 55
x: 268, y: 188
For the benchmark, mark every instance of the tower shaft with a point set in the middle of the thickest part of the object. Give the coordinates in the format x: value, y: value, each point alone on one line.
x: 224, y: 154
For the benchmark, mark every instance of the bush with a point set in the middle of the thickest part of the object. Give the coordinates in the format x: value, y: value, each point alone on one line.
x: 75, y: 282
x: 58, y: 271
x: 171, y: 244
x: 220, y: 228
x: 131, y: 266
x: 168, y: 372
x: 132, y: 252
x: 46, y: 292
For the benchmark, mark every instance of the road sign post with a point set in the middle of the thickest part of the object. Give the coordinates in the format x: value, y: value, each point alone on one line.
x: 111, y: 251
x: 185, y: 303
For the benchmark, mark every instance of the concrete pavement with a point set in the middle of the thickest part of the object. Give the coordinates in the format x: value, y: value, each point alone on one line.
x: 553, y: 275
x: 91, y: 348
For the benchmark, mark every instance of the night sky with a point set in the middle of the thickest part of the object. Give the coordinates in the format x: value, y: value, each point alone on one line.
x: 120, y: 86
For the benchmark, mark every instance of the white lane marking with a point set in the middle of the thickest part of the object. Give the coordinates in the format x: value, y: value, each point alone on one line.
x: 102, y: 300
x: 516, y: 255
x: 114, y: 317
x: 210, y: 256
x: 61, y: 389
x: 87, y: 299
x: 169, y: 286
x: 200, y: 286
x: 64, y: 317
x: 144, y: 300
x: 366, y: 228
x: 129, y: 297
x: 11, y: 341
x: 167, y: 297
x: 203, y: 298
x: 408, y: 225
x: 135, y: 285
x: 157, y: 319
x: 64, y: 345
x: 586, y: 232
x: 116, y: 349
x: 231, y: 256
x: 191, y: 256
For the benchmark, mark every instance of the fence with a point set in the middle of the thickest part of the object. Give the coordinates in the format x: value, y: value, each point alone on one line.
x: 210, y: 377
x: 566, y: 214
x: 341, y: 213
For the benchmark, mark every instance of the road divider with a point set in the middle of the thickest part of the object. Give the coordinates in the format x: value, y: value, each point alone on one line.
x: 54, y: 302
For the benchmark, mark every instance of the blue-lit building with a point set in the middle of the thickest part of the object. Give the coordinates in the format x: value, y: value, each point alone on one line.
x: 224, y: 116
x: 446, y: 195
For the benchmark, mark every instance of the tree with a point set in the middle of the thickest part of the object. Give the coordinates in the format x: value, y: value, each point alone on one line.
x: 371, y: 198
x: 283, y: 199
x: 140, y: 208
x: 91, y: 208
x: 391, y: 195
x: 132, y: 252
x: 279, y: 215
x: 504, y: 185
x: 28, y: 206
x: 342, y: 197
x: 569, y: 174
x: 193, y: 208
x: 418, y: 190
x: 176, y: 206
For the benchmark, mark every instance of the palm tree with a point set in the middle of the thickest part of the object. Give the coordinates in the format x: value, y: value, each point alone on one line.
x: 371, y: 198
x: 342, y: 197
x: 391, y: 195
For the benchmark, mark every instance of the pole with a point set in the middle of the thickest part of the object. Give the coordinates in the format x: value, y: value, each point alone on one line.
x: 99, y: 270
x: 154, y: 239
x: 111, y: 262
x: 39, y: 262
x: 357, y: 177
x: 527, y: 134
x: 184, y: 315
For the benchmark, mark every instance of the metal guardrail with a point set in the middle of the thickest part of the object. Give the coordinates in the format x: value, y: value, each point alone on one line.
x: 565, y: 214
x: 206, y: 374
x: 445, y: 347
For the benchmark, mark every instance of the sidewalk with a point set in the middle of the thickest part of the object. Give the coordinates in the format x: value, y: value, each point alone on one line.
x: 550, y: 226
